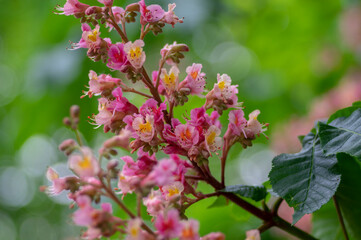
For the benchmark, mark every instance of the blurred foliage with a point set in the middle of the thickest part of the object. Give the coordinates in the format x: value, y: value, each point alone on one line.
x: 271, y: 49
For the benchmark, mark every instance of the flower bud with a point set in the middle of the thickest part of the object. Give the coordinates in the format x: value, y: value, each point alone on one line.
x: 92, y: 10
x: 66, y: 145
x: 67, y: 121
x: 74, y: 111
x: 134, y: 7
x: 112, y: 164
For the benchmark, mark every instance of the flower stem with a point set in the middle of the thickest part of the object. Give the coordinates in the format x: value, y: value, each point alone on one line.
x: 340, y: 218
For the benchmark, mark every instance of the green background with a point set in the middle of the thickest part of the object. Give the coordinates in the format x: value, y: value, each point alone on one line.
x: 276, y: 51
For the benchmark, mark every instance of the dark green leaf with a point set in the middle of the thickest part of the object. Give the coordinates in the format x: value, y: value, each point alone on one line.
x: 219, y: 202
x: 349, y: 193
x: 256, y: 193
x: 345, y: 112
x: 342, y: 135
x: 306, y: 180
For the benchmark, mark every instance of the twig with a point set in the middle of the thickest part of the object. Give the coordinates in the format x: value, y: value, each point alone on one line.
x: 340, y: 218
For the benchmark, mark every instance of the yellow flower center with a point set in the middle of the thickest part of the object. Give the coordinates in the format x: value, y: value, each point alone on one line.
x: 134, y: 232
x: 194, y: 75
x: 186, y: 135
x: 187, y: 233
x: 93, y: 36
x: 222, y: 85
x: 135, y: 53
x: 85, y: 163
x: 145, y: 127
x: 211, y: 137
x: 173, y: 191
x: 169, y: 79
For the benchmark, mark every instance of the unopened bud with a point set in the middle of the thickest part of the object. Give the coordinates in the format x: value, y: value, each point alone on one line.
x: 67, y: 146
x: 112, y: 164
x: 74, y: 111
x: 67, y: 121
x: 134, y: 7
x: 92, y: 10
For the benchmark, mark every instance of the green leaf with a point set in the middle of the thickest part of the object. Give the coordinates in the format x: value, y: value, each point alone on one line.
x: 349, y: 193
x: 301, y: 137
x: 342, y: 135
x: 256, y: 193
x: 219, y: 202
x: 345, y: 112
x: 306, y: 180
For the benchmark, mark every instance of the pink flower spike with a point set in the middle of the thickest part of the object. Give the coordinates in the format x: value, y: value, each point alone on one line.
x: 253, y: 235
x: 168, y: 224
x: 135, y: 53
x: 190, y: 230
x: 72, y: 7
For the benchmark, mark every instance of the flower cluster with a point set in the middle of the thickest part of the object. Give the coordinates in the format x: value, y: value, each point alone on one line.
x: 168, y: 186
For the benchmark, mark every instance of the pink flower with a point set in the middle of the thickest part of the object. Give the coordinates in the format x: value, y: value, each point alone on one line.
x: 194, y: 81
x: 170, y: 80
x: 214, y: 236
x: 117, y: 57
x: 84, y: 165
x: 82, y: 216
x: 127, y: 184
x: 187, y: 136
x: 154, y: 202
x: 121, y: 104
x: 190, y: 230
x: 254, y: 127
x: 223, y: 95
x: 107, y: 3
x: 150, y: 107
x: 72, y: 7
x: 253, y: 235
x: 213, y: 142
x: 237, y: 122
x: 151, y: 13
x: 163, y: 173
x: 170, y: 17
x: 172, y: 191
x: 168, y: 224
x: 144, y: 127
x: 135, y: 53
x: 59, y: 184
x: 98, y: 84
x: 134, y: 230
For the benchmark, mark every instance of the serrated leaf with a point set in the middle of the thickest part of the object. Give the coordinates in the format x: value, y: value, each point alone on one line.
x: 342, y: 135
x: 345, y: 112
x: 306, y: 180
x: 219, y: 202
x: 349, y: 193
x: 256, y: 193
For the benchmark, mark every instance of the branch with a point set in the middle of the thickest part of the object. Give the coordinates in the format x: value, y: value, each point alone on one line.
x: 340, y: 218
